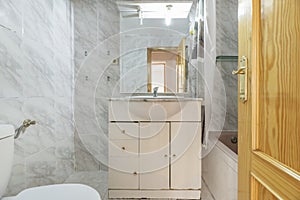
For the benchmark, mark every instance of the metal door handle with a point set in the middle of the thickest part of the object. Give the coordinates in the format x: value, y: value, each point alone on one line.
x: 243, y: 77
x: 241, y: 70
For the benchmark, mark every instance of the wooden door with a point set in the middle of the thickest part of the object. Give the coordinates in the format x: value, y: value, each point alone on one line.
x: 269, y: 122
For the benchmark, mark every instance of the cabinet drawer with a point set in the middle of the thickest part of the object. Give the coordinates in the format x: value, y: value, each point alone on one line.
x: 123, y: 147
x: 123, y: 131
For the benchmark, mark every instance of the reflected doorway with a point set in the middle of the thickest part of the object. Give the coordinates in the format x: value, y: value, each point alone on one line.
x: 166, y: 69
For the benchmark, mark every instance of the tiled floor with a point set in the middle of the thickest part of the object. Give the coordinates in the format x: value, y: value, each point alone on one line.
x: 98, y: 180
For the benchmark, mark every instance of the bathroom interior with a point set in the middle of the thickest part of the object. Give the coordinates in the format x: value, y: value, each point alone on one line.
x: 86, y: 71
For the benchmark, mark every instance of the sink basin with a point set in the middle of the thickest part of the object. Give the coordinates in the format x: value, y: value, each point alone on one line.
x: 158, y: 97
x: 146, y: 108
x: 155, y: 109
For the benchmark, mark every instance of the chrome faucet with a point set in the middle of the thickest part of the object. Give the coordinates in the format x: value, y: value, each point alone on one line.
x: 155, y: 91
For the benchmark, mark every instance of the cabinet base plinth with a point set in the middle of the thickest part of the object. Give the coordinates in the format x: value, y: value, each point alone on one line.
x: 174, y: 194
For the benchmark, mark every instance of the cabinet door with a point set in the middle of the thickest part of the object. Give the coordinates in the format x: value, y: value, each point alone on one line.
x: 154, y: 155
x: 185, y: 155
x: 123, y: 173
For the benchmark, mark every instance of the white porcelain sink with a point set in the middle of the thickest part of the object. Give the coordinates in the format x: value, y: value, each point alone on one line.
x: 151, y: 109
x: 155, y: 108
x: 158, y: 97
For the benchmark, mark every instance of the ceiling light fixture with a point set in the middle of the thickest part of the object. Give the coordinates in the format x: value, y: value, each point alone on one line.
x: 168, y: 17
x: 141, y: 17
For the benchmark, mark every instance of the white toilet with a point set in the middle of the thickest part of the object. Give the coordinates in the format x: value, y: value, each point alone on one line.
x: 49, y: 192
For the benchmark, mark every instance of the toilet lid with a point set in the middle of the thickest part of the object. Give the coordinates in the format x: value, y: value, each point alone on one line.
x: 59, y: 192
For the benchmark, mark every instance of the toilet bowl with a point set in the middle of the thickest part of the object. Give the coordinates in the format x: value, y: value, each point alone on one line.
x: 57, y: 192
x: 48, y: 192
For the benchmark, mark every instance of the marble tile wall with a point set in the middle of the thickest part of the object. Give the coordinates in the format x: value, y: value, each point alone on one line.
x: 227, y: 44
x: 221, y: 86
x: 196, y: 82
x: 221, y: 33
x: 96, y: 46
x: 36, y: 82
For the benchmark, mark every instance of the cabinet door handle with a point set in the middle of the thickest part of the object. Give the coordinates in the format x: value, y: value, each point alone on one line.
x: 135, y: 173
x: 123, y: 148
x: 123, y: 131
x: 166, y: 156
x: 174, y: 155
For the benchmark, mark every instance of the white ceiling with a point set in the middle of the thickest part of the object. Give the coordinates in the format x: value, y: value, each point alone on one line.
x: 155, y: 9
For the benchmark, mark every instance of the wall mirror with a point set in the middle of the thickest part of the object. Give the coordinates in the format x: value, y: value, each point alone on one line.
x: 154, y: 46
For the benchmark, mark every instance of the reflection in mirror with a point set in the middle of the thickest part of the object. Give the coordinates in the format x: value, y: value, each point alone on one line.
x: 167, y: 69
x: 145, y: 35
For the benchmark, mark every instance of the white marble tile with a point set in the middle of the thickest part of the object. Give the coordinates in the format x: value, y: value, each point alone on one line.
x: 36, y: 79
x: 11, y: 60
x: 11, y: 15
x: 102, y: 114
x: 97, y: 145
x: 11, y: 111
x: 227, y: 44
x: 62, y: 28
x: 109, y: 82
x: 227, y: 23
x: 37, y: 21
x: 38, y: 70
x: 52, y: 165
x: 107, y: 11
x: 85, y: 26
x: 85, y: 118
x: 40, y: 168
x: 231, y: 89
x: 17, y: 182
x: 84, y: 160
x: 65, y: 164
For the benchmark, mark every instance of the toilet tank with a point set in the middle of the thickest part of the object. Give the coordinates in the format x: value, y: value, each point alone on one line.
x: 6, y: 155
